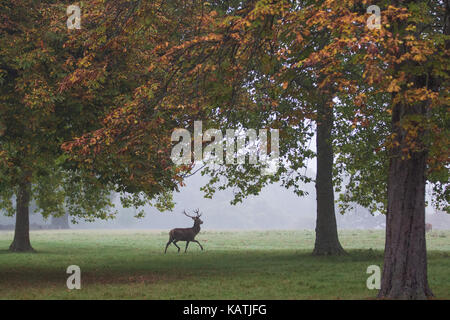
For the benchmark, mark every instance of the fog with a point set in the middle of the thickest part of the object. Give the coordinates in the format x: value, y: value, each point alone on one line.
x: 275, y: 208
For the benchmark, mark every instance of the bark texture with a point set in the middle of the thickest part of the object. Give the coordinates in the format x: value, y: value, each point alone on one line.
x: 405, y: 256
x: 327, y: 240
x: 21, y: 242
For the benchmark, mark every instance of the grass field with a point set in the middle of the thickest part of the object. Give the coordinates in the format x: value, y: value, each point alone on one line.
x: 235, y: 265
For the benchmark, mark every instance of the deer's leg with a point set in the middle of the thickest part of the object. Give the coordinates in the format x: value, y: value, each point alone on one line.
x: 187, y: 243
x: 168, y: 243
x: 175, y: 243
x: 198, y: 244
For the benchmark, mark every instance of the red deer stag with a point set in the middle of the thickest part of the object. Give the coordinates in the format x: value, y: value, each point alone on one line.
x: 186, y: 234
x: 428, y: 227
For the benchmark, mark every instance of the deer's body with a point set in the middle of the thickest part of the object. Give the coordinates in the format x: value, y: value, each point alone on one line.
x: 185, y: 234
x: 428, y: 227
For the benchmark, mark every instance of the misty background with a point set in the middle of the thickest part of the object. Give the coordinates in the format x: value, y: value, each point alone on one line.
x: 275, y: 208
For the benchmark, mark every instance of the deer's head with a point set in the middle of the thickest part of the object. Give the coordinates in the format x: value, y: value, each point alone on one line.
x: 196, y: 218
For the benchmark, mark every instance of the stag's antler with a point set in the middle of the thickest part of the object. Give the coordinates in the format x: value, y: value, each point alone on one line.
x: 197, y: 212
x: 184, y: 212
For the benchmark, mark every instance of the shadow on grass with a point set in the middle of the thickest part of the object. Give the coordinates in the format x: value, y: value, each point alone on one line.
x: 35, y: 252
x: 155, y: 268
x: 58, y: 277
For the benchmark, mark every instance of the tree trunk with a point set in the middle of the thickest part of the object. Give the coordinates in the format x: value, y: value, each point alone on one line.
x: 405, y: 255
x: 327, y: 241
x: 61, y: 222
x: 21, y: 242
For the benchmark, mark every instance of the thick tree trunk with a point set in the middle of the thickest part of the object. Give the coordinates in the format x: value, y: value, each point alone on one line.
x: 405, y: 256
x: 21, y: 242
x: 61, y: 222
x: 327, y: 241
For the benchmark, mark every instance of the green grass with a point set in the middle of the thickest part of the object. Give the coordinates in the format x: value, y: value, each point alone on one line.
x: 234, y: 265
